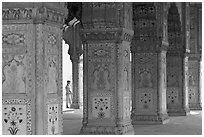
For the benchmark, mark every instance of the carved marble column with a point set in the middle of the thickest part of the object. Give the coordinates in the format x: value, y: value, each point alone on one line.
x: 195, y: 56
x: 177, y: 59
x: 148, y: 49
x: 106, y: 68
x: 32, y: 68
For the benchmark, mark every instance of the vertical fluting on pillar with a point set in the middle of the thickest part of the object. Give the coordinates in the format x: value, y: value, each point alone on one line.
x: 149, y: 47
x: 32, y: 40
x: 106, y: 36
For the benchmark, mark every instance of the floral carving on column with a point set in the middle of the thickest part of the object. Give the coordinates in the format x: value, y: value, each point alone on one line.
x: 52, y: 76
x: 101, y: 77
x: 14, y: 75
x: 145, y: 80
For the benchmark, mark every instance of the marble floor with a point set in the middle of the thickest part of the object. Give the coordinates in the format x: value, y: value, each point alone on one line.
x: 181, y: 125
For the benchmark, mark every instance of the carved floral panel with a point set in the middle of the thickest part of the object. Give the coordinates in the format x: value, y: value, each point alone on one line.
x: 101, y: 107
x: 101, y: 76
x: 16, y: 117
x: 52, y: 73
x: 145, y: 101
x: 13, y: 39
x: 53, y: 118
x: 14, y: 74
x: 192, y: 95
x: 145, y: 70
x: 126, y: 107
x: 103, y: 52
x: 172, y: 96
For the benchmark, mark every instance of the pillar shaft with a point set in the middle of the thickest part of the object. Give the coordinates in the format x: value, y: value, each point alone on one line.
x: 177, y: 61
x: 32, y: 68
x: 106, y: 65
x: 195, y: 57
x: 75, y: 83
x: 149, y: 65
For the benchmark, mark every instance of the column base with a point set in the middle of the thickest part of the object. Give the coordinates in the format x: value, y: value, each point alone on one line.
x: 178, y: 112
x: 106, y: 130
x: 75, y: 105
x: 195, y: 106
x: 149, y: 119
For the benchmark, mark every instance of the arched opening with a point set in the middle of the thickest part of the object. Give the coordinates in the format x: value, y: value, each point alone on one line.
x: 72, y: 70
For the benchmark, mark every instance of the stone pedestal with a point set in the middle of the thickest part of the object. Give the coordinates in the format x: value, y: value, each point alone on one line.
x: 106, y: 68
x: 32, y: 68
x: 149, y: 64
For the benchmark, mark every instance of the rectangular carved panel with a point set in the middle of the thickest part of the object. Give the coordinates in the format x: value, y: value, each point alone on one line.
x: 172, y: 96
x: 14, y: 73
x: 101, y: 107
x: 126, y: 107
x: 53, y: 118
x: 16, y: 117
x: 145, y: 101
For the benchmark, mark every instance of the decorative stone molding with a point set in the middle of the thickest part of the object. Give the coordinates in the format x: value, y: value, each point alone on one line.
x: 17, y: 13
x: 120, y: 130
x: 106, y: 15
x: 149, y: 119
x: 13, y: 39
x: 37, y: 12
x: 107, y: 35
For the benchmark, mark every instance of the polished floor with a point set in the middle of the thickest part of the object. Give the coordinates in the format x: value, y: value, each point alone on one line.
x: 180, y: 125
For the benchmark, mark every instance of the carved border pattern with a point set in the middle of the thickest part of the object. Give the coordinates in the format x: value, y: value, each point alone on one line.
x: 101, y: 52
x: 54, y: 50
x: 109, y: 130
x: 13, y: 39
x: 104, y: 35
x: 27, y: 102
x: 55, y: 100
x: 99, y: 36
x: 30, y: 13
x: 17, y: 13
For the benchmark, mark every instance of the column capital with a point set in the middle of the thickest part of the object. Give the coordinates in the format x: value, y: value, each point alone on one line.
x: 31, y: 12
x: 74, y: 59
